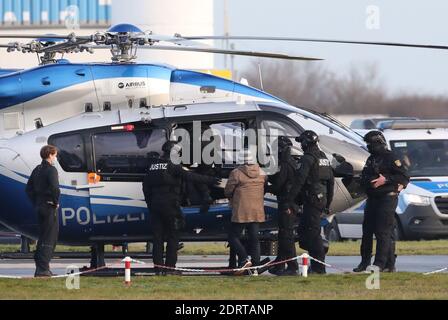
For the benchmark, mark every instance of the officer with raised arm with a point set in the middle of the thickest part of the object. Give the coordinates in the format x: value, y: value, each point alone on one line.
x: 162, y: 187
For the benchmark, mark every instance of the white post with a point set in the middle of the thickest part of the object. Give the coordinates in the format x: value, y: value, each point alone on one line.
x: 127, y: 270
x: 305, y: 259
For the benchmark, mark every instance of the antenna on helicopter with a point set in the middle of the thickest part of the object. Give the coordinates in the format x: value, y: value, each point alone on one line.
x: 260, y: 75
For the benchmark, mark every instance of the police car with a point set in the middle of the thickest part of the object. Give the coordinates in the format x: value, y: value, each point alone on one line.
x: 422, y: 211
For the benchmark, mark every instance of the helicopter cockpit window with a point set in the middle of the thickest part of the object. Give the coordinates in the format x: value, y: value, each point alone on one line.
x: 71, y: 155
x: 271, y: 129
x: 126, y: 152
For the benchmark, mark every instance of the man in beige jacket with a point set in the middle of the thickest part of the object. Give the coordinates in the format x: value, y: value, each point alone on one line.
x: 245, y: 190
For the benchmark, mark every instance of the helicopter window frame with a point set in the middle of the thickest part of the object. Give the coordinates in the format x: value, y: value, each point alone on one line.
x: 84, y: 168
x: 124, y: 176
x: 245, y: 118
x: 281, y: 118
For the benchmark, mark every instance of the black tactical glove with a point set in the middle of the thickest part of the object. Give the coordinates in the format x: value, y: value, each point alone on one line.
x: 338, y: 157
x: 215, y: 182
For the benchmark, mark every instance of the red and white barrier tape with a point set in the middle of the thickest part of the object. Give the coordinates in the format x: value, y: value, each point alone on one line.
x: 436, y: 271
x: 62, y: 275
x: 303, y: 260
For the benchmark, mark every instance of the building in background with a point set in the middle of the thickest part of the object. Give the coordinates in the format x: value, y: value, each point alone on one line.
x: 193, y: 17
x: 54, y: 13
x: 83, y: 17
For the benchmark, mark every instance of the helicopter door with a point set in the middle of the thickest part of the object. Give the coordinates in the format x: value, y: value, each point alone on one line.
x: 75, y: 214
x: 120, y: 159
x: 230, y: 133
x: 57, y: 92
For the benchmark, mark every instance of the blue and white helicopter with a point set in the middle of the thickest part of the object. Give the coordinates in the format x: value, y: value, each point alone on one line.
x: 106, y: 117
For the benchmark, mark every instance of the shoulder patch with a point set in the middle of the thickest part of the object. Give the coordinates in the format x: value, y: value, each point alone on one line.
x: 397, y: 163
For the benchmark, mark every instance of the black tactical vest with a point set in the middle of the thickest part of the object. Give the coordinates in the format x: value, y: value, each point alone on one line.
x: 160, y: 179
x: 320, y: 174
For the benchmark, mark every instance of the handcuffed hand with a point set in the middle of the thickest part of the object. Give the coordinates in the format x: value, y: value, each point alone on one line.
x: 293, y: 209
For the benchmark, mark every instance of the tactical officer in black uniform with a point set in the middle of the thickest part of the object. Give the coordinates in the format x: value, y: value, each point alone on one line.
x: 315, y: 180
x: 162, y: 187
x: 43, y: 190
x: 383, y: 177
x: 282, y: 183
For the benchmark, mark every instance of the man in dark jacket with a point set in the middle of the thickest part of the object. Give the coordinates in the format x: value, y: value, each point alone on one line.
x: 315, y: 180
x: 43, y: 190
x: 282, y: 183
x: 383, y: 177
x: 162, y: 187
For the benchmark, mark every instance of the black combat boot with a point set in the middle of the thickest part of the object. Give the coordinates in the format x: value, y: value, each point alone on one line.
x: 362, y: 266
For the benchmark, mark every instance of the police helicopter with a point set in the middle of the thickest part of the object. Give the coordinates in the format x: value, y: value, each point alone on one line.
x: 105, y: 118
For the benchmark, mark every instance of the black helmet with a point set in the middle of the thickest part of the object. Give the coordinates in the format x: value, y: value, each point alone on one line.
x: 283, y: 143
x: 376, y: 143
x: 375, y: 136
x: 308, y: 138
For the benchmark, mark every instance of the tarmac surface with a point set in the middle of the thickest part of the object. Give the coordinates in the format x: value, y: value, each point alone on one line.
x: 25, y: 267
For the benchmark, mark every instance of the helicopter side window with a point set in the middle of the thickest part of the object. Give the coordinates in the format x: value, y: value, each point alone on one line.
x: 72, y: 153
x: 125, y: 153
x: 231, y: 135
x: 271, y: 129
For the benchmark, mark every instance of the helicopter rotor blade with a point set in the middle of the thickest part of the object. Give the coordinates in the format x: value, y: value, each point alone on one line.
x: 66, y: 46
x: 176, y: 39
x: 221, y: 51
x: 393, y: 44
x: 233, y: 52
x: 42, y: 36
x: 16, y: 46
x: 32, y: 36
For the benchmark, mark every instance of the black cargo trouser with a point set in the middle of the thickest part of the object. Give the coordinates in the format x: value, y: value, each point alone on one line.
x: 310, y: 235
x: 382, y: 212
x: 379, y: 214
x: 48, y: 236
x: 165, y: 216
x: 286, y: 239
x: 253, y: 243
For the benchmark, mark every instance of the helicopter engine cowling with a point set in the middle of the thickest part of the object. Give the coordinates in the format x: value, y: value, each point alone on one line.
x: 34, y: 98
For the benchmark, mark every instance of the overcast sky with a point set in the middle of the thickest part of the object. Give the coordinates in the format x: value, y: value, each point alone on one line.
x: 402, y: 69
